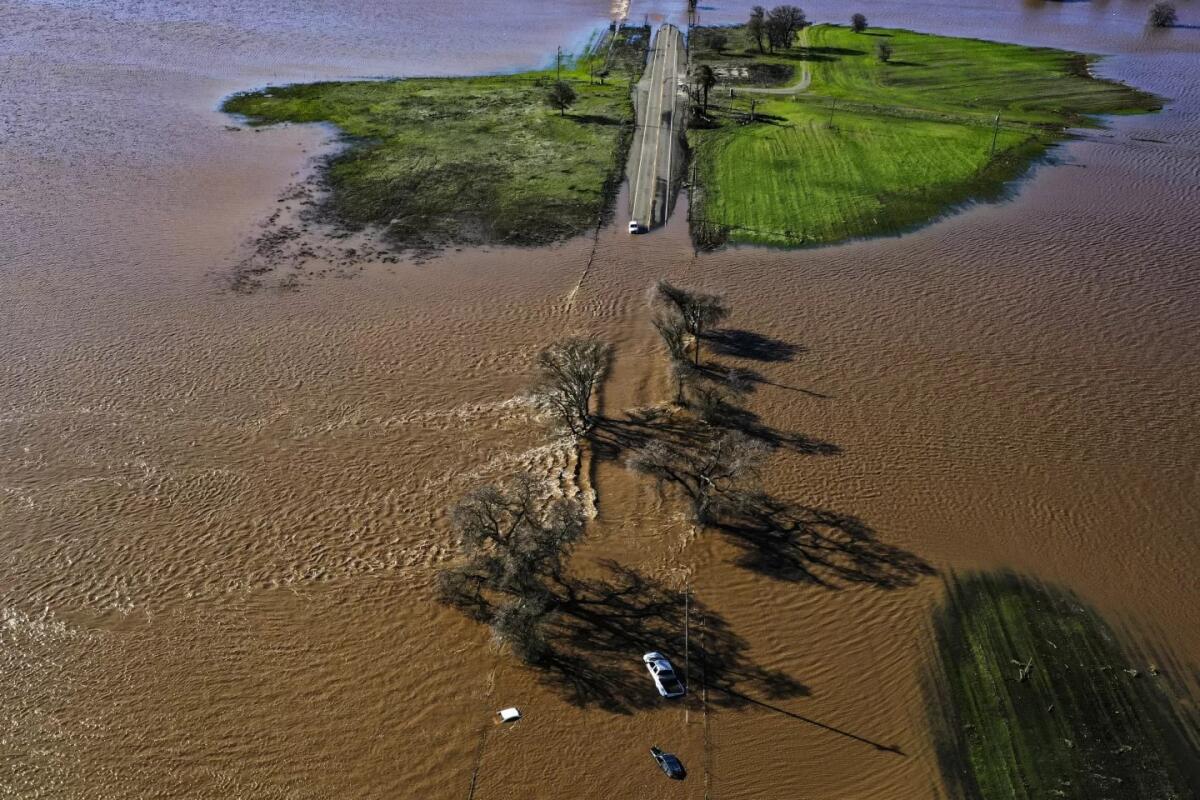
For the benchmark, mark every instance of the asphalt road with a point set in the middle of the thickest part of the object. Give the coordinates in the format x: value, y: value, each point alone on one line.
x: 655, y: 157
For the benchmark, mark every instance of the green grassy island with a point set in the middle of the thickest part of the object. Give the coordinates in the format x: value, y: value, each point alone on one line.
x: 843, y: 144
x: 479, y: 160
x: 1034, y: 698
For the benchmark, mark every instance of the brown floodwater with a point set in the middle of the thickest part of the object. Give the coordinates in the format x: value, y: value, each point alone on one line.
x: 220, y: 513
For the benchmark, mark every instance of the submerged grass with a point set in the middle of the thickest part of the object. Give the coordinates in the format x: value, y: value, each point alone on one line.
x: 1035, y: 698
x: 874, y: 148
x: 475, y: 160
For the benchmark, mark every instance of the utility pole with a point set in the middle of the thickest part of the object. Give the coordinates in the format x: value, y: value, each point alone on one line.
x: 558, y: 64
x: 995, y: 133
x: 686, y: 652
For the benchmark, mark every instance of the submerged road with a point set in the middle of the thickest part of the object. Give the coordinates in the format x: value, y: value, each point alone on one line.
x: 655, y: 157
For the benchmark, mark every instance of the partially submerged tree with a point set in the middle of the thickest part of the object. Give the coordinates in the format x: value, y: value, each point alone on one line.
x: 705, y: 78
x: 782, y: 25
x: 520, y: 623
x: 674, y: 335
x: 567, y: 375
x: 757, y: 26
x: 515, y: 546
x: 858, y: 23
x: 711, y: 472
x: 515, y: 537
x: 883, y: 51
x: 561, y: 96
x: 715, y: 397
x: 1162, y: 15
x: 697, y: 312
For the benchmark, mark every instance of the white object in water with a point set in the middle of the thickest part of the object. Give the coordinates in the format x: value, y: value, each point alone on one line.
x: 509, y: 715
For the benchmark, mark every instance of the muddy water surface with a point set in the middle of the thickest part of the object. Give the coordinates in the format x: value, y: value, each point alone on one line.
x: 221, y: 513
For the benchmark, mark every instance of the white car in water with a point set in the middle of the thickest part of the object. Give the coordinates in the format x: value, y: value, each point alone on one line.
x: 635, y: 226
x: 665, y: 679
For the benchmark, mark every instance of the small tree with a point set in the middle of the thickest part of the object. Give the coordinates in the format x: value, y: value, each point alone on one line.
x: 858, y: 23
x: 715, y: 40
x: 1162, y: 15
x: 883, y: 51
x: 697, y: 312
x: 705, y: 78
x: 674, y: 336
x: 567, y: 374
x: 561, y: 96
x: 757, y: 26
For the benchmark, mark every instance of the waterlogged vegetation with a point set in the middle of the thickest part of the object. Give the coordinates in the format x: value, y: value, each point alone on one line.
x: 1036, y: 699
x: 516, y: 537
x: 844, y: 144
x: 472, y: 160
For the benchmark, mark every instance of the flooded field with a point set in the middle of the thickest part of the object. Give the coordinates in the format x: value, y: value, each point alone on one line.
x: 221, y: 513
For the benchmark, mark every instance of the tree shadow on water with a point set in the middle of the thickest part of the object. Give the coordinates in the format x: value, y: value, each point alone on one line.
x: 599, y: 628
x: 709, y: 451
x: 730, y: 416
x: 793, y: 542
x: 751, y: 345
x: 777, y: 538
x: 604, y: 625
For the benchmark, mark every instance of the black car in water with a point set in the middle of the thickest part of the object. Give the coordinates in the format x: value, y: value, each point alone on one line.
x: 669, y: 763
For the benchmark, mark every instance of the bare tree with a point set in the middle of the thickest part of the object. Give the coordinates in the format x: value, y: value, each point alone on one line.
x: 567, y: 375
x: 674, y: 335
x: 858, y: 23
x: 757, y: 26
x: 715, y: 400
x: 697, y: 312
x: 514, y: 546
x: 883, y: 51
x: 1163, y: 15
x: 520, y: 623
x: 512, y: 537
x: 561, y: 96
x: 705, y: 78
x: 727, y: 463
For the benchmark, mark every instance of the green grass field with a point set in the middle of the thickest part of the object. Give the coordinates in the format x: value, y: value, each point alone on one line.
x: 873, y: 148
x: 1033, y: 697
x: 470, y: 160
